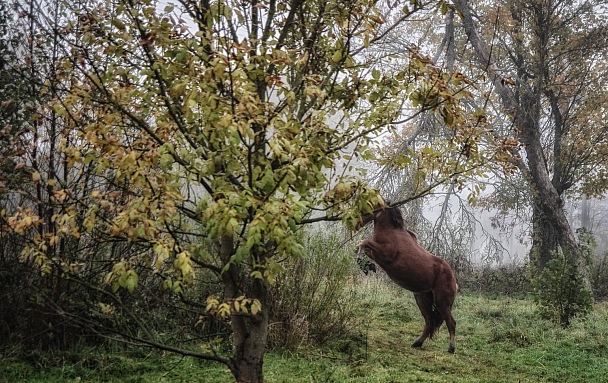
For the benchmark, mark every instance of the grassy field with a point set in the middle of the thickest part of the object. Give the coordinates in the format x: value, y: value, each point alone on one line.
x: 499, y: 339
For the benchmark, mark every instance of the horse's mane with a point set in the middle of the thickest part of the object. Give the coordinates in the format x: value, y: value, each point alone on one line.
x: 399, y: 222
x: 397, y: 217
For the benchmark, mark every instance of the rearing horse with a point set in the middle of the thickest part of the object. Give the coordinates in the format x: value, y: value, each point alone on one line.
x: 430, y: 278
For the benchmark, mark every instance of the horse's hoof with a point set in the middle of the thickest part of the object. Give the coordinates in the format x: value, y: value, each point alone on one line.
x: 451, y: 349
x: 417, y: 344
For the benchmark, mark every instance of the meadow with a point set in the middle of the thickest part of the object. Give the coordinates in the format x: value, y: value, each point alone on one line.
x: 499, y: 339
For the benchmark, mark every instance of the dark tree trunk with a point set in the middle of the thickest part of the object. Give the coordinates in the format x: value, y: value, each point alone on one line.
x: 250, y: 332
x: 250, y: 336
x: 544, y: 241
x: 546, y: 198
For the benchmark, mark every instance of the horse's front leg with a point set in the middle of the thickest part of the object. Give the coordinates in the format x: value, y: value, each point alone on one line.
x: 376, y: 251
x: 368, y: 247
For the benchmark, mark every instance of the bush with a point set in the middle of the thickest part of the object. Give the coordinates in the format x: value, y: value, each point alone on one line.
x: 29, y: 302
x: 560, y: 292
x: 60, y: 312
x: 599, y: 263
x: 599, y: 277
x: 312, y: 297
x: 510, y: 279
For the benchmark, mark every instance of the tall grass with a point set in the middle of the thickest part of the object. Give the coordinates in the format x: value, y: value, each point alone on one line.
x: 313, y: 299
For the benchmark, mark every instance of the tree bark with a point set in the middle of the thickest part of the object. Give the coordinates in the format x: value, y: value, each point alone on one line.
x: 544, y: 240
x: 586, y: 214
x: 250, y: 332
x: 250, y: 338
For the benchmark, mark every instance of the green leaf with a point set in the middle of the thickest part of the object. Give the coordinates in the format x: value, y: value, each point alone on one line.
x: 131, y: 280
x: 375, y: 74
x: 118, y: 24
x: 292, y: 225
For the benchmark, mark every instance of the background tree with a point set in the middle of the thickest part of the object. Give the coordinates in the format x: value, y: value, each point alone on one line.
x: 432, y: 133
x: 550, y: 59
x: 13, y: 123
x: 29, y: 154
x: 543, y: 60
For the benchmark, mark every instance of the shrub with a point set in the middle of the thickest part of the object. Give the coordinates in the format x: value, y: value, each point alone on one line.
x: 599, y: 277
x: 599, y: 263
x: 560, y: 292
x: 311, y: 298
x: 509, y: 279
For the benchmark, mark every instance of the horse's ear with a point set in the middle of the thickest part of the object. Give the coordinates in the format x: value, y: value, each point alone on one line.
x: 397, y: 217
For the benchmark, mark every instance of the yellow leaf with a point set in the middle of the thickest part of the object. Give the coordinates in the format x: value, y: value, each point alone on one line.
x: 256, y: 307
x: 337, y: 56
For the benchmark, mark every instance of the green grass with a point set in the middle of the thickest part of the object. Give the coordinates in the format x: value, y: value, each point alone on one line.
x: 499, y: 339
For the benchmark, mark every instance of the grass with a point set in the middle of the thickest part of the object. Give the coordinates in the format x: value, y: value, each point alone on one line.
x: 499, y: 339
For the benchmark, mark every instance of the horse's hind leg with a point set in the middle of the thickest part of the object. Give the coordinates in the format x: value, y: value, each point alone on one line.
x: 428, y: 318
x: 444, y: 306
x: 450, y: 322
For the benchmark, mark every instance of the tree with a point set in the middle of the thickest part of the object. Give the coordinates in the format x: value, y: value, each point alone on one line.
x: 541, y: 74
x: 31, y: 166
x: 15, y: 101
x: 13, y: 93
x: 197, y: 139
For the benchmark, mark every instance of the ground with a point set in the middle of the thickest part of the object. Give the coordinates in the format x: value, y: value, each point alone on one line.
x: 499, y: 339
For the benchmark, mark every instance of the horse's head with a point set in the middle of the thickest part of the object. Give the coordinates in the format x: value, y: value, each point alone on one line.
x: 386, y: 214
x: 367, y: 217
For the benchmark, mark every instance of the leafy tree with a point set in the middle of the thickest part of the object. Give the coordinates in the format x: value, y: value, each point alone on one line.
x: 15, y: 102
x: 14, y: 114
x: 29, y: 156
x: 196, y: 139
x: 202, y: 136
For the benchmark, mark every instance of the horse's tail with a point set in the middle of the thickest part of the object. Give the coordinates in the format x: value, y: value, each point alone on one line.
x: 427, y: 303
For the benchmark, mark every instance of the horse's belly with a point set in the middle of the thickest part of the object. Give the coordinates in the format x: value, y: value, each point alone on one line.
x: 413, y: 283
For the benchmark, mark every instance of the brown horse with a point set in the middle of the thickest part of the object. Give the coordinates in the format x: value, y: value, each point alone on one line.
x: 430, y: 278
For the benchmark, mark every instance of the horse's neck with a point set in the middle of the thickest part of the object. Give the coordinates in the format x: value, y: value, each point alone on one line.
x: 382, y: 223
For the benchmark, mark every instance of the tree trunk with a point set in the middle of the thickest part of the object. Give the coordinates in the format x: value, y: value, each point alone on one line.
x: 546, y: 197
x: 544, y: 241
x: 250, y: 332
x: 250, y: 336
x: 586, y: 214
